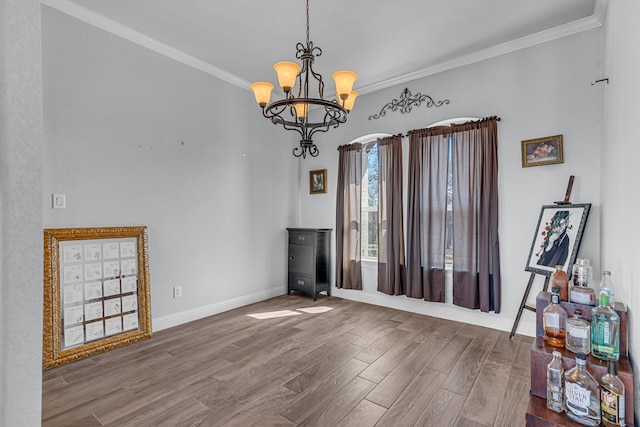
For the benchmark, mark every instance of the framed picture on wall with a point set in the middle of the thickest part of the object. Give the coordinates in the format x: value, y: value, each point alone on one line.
x: 96, y: 291
x: 542, y: 151
x: 318, y: 181
x: 557, y: 237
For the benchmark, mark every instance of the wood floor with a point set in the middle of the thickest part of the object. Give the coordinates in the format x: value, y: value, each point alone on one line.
x: 355, y: 365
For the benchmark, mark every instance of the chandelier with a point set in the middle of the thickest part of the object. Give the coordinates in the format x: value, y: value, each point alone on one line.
x: 292, y: 111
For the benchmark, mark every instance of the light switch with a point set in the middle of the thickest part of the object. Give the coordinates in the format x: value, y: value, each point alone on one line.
x: 59, y: 201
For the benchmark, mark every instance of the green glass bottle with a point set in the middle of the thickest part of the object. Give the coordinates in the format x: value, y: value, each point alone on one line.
x: 605, y: 330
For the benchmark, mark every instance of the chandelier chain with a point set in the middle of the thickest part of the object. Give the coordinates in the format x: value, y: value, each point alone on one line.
x: 308, y: 23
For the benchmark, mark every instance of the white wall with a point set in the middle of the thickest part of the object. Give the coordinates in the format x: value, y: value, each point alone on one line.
x: 20, y: 213
x: 620, y: 172
x: 540, y: 91
x: 116, y: 116
x: 135, y: 138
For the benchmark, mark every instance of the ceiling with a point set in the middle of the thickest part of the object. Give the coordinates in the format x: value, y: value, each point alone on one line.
x: 385, y: 42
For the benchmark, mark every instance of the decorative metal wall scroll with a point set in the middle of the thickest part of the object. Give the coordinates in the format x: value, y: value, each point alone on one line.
x: 406, y: 102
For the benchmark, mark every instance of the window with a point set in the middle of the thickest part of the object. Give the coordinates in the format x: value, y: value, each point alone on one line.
x: 369, y: 219
x: 369, y: 199
x: 369, y: 195
x: 458, y: 175
x: 448, y: 233
x: 448, y: 236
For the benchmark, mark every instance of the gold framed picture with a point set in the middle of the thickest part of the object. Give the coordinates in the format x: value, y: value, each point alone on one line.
x: 96, y: 291
x: 318, y: 181
x: 542, y: 151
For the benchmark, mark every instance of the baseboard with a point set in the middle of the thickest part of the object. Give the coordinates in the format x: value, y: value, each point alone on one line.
x: 404, y: 303
x: 444, y: 311
x: 186, y: 316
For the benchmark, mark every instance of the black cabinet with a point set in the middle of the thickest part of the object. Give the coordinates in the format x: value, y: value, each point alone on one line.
x: 309, y: 260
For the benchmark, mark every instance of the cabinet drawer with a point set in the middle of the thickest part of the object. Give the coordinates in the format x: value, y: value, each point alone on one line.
x: 301, y: 283
x: 302, y: 238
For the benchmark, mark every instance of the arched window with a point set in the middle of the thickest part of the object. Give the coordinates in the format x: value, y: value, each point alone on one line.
x: 369, y: 195
x: 369, y: 220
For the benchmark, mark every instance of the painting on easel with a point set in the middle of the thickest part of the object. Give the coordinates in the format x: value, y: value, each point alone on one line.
x: 557, y: 238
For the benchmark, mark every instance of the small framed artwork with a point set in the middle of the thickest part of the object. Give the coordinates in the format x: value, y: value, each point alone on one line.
x: 318, y: 181
x: 557, y: 238
x: 542, y: 151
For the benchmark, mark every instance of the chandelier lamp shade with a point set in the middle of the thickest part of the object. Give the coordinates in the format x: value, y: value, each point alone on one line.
x: 299, y: 83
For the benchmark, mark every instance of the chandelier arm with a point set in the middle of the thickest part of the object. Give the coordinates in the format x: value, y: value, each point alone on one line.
x: 339, y: 115
x: 328, y: 124
x: 300, y: 152
x: 293, y: 126
x: 272, y: 110
x: 306, y: 147
x: 303, y: 89
x: 318, y: 77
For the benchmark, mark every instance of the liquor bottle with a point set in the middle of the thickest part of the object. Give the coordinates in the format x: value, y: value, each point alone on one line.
x: 578, y: 333
x: 554, y: 321
x: 582, y: 272
x: 581, y: 292
x: 555, y: 382
x: 560, y: 280
x: 582, y: 295
x: 605, y: 330
x: 612, y: 396
x: 607, y: 285
x: 581, y: 394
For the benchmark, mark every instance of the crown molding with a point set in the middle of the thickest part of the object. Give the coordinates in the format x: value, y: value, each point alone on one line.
x: 141, y: 39
x: 113, y: 27
x: 599, y: 10
x: 558, y: 32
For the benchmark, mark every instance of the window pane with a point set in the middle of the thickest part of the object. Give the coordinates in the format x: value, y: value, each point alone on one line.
x: 448, y: 236
x: 370, y: 203
x: 371, y: 249
x: 372, y: 182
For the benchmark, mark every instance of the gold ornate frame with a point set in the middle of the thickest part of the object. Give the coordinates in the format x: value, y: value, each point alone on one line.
x: 542, y: 151
x: 318, y: 181
x: 54, y: 351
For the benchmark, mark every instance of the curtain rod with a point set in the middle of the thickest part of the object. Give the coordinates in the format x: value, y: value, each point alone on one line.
x: 457, y: 124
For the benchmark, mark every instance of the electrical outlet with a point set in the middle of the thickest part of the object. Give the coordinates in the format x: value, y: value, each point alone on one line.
x: 177, y: 291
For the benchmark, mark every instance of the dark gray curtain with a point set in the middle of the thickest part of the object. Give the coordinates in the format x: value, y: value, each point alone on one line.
x: 391, y: 261
x: 426, y: 225
x: 476, y: 249
x: 348, y: 207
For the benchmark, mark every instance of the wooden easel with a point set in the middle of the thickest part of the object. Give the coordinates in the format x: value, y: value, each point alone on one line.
x: 523, y: 304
